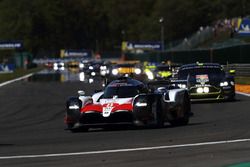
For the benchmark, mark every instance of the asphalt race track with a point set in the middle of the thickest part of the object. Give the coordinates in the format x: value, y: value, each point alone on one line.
x: 33, y: 134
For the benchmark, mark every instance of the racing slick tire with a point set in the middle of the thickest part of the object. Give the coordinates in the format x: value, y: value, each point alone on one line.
x: 74, y: 115
x: 185, y: 110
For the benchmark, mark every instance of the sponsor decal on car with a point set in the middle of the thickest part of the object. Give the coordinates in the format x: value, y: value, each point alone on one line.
x: 106, y: 111
x: 202, y: 78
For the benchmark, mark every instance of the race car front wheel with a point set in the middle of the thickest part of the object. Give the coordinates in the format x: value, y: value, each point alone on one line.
x: 184, y: 110
x: 158, y: 114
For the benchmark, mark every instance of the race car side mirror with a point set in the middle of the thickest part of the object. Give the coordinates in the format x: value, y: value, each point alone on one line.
x: 81, y: 93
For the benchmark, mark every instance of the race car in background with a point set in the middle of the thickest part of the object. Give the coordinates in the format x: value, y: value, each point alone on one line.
x: 163, y: 71
x: 206, y: 81
x: 58, y: 65
x: 84, y: 64
x: 97, y: 68
x: 129, y: 102
x: 131, y: 69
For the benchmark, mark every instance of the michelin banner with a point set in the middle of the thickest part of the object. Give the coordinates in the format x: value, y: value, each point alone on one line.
x: 141, y: 47
x: 6, y: 45
x: 7, y: 68
x: 244, y: 28
x: 80, y: 53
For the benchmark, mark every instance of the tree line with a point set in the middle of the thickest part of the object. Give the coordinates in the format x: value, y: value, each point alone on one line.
x: 50, y: 25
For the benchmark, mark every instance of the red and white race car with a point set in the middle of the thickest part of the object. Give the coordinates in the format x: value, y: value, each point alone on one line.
x: 129, y: 101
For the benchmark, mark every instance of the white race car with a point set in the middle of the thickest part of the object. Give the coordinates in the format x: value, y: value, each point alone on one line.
x: 129, y: 101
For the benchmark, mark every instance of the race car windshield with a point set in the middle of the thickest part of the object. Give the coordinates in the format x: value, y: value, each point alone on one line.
x: 213, y: 73
x: 120, y: 91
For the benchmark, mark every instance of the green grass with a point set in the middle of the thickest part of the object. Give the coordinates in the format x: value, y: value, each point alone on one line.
x: 242, y: 80
x: 17, y: 73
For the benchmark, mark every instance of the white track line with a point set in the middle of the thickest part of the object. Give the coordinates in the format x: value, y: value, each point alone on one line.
x: 123, y: 150
x: 14, y: 80
x: 244, y: 94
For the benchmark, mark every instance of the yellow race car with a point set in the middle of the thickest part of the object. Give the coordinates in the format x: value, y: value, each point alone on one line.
x: 133, y: 70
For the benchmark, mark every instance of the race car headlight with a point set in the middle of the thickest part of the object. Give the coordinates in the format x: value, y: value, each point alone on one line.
x: 232, y: 83
x: 137, y: 71
x: 206, y: 89
x: 115, y: 71
x: 199, y: 90
x: 150, y: 75
x: 183, y: 86
x: 55, y: 68
x: 93, y: 73
x: 103, y: 67
x: 82, y: 76
x: 91, y: 80
x: 74, y: 107
x: 91, y: 67
x: 81, y: 65
x: 224, y: 83
x: 141, y: 104
x: 103, y: 73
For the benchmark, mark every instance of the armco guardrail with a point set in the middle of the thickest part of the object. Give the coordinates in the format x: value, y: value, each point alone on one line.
x: 241, y: 70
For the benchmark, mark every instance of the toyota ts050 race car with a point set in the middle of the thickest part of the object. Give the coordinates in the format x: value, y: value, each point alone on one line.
x: 207, y: 81
x: 130, y: 102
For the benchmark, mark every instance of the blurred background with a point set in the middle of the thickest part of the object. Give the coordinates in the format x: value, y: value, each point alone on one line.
x: 176, y: 30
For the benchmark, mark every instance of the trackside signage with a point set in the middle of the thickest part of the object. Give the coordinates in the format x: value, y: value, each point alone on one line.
x: 244, y: 29
x: 141, y: 46
x: 10, y: 45
x: 76, y: 53
x: 6, y: 68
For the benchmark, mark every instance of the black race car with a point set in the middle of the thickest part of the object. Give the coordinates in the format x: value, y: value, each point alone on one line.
x: 97, y: 68
x: 206, y: 81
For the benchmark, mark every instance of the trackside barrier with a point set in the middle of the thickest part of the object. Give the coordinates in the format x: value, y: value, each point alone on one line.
x: 237, y: 54
x: 241, y: 70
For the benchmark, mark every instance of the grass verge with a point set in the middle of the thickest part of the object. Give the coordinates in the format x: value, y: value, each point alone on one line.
x: 242, y: 80
x: 17, y: 73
